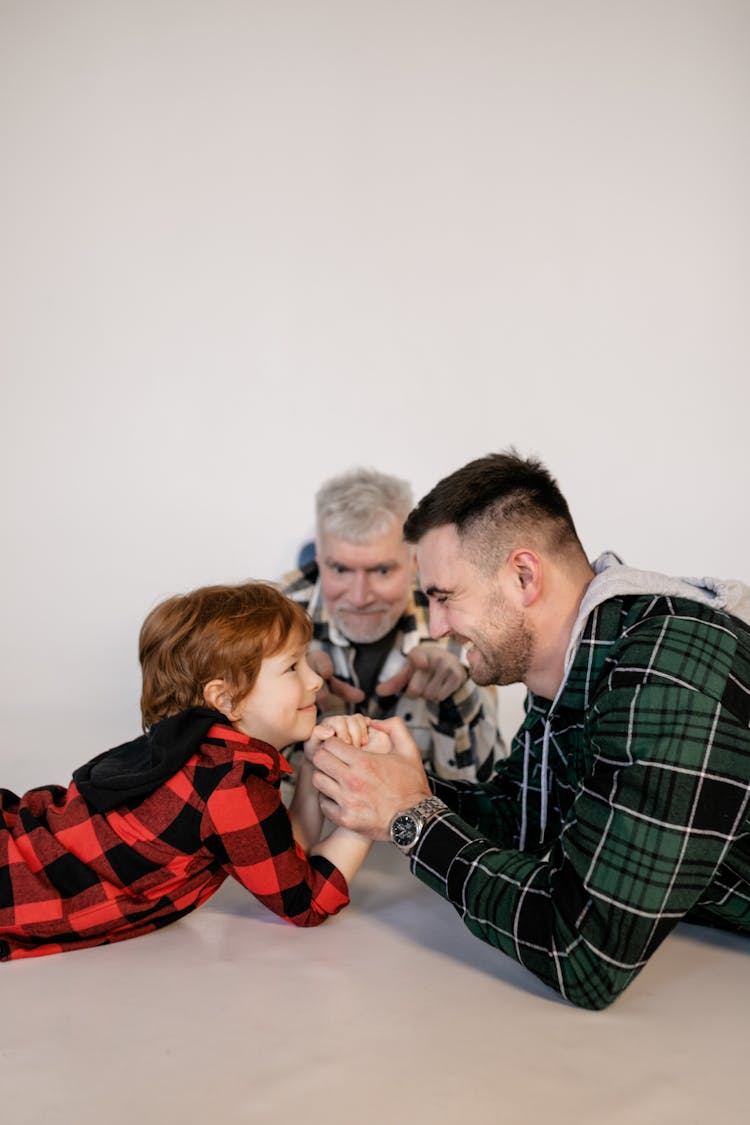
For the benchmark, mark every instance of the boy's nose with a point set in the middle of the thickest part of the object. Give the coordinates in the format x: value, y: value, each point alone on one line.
x: 315, y: 683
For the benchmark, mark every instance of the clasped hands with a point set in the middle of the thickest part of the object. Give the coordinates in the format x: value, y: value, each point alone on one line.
x: 365, y: 771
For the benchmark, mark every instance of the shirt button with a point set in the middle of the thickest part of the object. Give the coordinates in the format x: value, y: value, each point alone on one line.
x: 407, y: 717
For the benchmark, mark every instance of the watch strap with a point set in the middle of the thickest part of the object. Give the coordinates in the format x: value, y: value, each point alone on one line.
x: 427, y: 808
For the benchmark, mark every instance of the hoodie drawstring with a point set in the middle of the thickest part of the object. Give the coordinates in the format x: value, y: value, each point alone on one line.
x: 525, y: 790
x: 543, y: 785
x: 543, y: 781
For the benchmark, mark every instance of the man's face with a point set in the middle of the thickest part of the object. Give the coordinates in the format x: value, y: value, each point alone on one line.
x: 366, y: 586
x: 478, y: 610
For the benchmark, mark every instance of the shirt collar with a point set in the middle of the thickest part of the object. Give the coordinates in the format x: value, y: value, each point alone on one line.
x: 601, y: 631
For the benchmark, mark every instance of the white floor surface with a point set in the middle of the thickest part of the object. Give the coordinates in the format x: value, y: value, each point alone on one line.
x: 391, y: 1011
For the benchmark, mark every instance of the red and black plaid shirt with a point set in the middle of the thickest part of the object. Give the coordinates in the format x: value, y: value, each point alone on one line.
x: 72, y: 877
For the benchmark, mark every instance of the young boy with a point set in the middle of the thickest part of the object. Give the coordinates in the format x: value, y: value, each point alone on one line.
x: 146, y: 832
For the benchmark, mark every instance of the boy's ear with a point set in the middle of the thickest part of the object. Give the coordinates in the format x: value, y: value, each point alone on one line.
x: 217, y: 695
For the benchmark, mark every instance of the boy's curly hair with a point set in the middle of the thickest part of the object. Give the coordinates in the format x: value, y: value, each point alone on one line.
x: 216, y: 632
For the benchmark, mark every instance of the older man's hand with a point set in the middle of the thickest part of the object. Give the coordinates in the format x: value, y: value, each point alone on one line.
x: 321, y: 663
x: 430, y: 672
x: 362, y: 790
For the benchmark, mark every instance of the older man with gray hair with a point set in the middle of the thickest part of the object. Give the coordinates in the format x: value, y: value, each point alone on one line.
x: 372, y: 641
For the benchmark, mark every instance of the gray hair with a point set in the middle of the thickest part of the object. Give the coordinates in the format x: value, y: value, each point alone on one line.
x: 361, y: 503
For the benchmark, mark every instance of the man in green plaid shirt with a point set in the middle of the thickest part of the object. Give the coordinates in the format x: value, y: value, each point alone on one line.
x: 623, y: 807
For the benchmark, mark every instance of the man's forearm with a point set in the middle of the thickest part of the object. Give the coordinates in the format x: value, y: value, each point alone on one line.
x: 506, y: 899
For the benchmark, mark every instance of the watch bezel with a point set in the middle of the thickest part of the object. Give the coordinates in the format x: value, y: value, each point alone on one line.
x: 418, y: 816
x: 403, y: 819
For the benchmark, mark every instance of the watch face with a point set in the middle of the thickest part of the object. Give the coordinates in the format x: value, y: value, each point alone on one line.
x: 404, y: 830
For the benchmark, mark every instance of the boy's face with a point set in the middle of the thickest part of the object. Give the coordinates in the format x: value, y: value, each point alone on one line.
x: 280, y: 708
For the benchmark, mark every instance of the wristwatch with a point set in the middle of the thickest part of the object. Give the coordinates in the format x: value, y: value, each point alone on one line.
x: 407, y: 826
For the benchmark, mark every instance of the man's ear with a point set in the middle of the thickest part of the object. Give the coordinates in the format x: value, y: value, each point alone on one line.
x: 218, y: 696
x: 527, y: 572
x: 413, y: 561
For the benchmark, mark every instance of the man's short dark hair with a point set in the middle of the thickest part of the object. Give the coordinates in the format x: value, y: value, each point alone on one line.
x: 493, y: 500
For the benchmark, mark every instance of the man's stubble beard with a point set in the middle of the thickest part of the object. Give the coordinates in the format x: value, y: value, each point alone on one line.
x: 506, y: 657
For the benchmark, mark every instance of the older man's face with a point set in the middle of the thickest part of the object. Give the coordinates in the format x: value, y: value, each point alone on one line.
x: 366, y: 586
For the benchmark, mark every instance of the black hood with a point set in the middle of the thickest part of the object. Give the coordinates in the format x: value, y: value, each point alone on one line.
x: 130, y: 772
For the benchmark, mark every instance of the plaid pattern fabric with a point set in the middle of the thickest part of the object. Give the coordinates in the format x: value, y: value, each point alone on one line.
x: 647, y: 793
x: 458, y: 738
x: 71, y: 877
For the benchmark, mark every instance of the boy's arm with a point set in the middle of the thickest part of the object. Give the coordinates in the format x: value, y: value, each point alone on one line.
x: 248, y: 829
x: 305, y: 813
x: 304, y: 809
x: 344, y: 849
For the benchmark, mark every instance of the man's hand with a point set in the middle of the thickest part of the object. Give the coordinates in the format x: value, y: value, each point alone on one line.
x: 321, y: 663
x: 362, y: 790
x: 430, y: 672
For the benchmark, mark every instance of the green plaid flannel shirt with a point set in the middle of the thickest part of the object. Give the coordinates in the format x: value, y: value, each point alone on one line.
x: 647, y: 822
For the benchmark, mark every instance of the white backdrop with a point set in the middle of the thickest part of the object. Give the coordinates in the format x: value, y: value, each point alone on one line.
x: 248, y: 244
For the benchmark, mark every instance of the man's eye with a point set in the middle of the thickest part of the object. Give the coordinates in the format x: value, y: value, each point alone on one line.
x: 383, y: 571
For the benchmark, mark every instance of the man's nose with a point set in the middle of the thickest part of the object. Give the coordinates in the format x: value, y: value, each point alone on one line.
x: 361, y: 593
x: 438, y: 621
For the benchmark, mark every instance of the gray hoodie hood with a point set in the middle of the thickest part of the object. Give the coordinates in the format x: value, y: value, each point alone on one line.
x: 612, y: 579
x: 615, y: 580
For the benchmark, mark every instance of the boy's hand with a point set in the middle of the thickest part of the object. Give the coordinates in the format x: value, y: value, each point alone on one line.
x: 350, y: 729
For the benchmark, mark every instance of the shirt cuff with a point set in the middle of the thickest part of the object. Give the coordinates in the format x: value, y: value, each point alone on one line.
x: 443, y: 839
